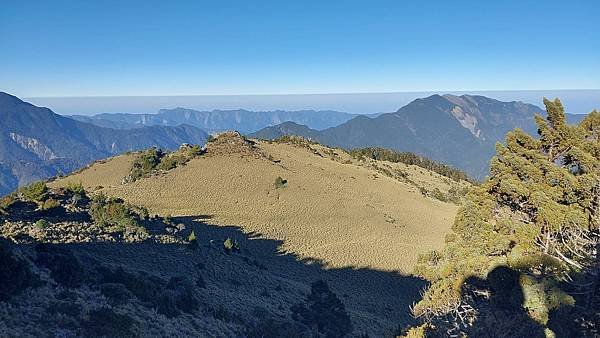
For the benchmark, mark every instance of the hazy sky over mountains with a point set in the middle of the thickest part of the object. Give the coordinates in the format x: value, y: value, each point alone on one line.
x: 90, y: 48
x: 576, y: 101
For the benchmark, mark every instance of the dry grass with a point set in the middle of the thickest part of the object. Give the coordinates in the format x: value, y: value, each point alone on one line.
x: 333, y: 209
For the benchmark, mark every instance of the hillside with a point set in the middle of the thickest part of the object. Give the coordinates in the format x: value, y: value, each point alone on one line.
x: 245, y: 121
x: 256, y: 239
x: 457, y: 130
x: 36, y: 143
x: 334, y: 208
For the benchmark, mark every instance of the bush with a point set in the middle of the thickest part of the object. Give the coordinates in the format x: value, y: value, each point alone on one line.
x: 41, y: 224
x: 5, y: 203
x: 193, y: 242
x: 324, y: 311
x: 117, y: 217
x: 231, y: 245
x: 35, y: 192
x: 280, y: 182
x: 49, y: 204
x: 75, y: 189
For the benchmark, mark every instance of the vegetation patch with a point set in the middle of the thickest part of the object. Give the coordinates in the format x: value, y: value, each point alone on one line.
x: 36, y: 192
x: 280, y: 183
x: 117, y: 216
x: 154, y: 160
x: 383, y: 154
x: 525, y: 244
x: 231, y: 245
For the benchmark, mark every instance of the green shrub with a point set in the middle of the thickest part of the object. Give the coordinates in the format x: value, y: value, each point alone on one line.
x: 280, y: 183
x: 36, y: 192
x: 50, y: 203
x: 168, y: 163
x: 75, y: 188
x: 231, y: 245
x: 5, y: 203
x: 41, y: 224
x: 116, y: 216
x: 193, y: 242
x: 439, y: 195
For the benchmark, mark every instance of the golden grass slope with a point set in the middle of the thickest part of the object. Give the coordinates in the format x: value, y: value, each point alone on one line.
x: 335, y: 209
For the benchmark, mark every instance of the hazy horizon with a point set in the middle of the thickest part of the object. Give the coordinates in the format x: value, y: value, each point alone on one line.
x: 576, y: 101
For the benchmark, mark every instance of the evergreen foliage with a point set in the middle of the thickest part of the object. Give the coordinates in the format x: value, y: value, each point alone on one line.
x: 280, y: 182
x: 153, y: 160
x: 383, y: 154
x: 537, y: 215
x: 36, y: 192
x: 117, y: 216
x: 231, y: 245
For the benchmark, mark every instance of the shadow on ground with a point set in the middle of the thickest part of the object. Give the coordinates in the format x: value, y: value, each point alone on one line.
x: 149, y: 288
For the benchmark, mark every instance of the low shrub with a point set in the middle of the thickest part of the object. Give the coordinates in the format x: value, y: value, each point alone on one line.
x: 36, y: 192
x: 280, y: 183
x: 75, y: 189
x: 231, y: 245
x: 118, y: 217
x: 192, y: 240
x: 41, y: 224
x: 49, y: 204
x: 5, y: 203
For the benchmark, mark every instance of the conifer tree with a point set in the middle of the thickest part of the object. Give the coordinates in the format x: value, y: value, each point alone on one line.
x: 536, y: 214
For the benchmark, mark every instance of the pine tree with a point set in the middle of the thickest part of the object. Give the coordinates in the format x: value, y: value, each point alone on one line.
x: 537, y: 214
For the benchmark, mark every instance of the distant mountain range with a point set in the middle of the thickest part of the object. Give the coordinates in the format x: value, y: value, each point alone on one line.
x: 458, y: 130
x: 36, y: 143
x: 244, y: 121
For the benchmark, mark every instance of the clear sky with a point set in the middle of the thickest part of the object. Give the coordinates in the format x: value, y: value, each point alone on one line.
x: 89, y: 48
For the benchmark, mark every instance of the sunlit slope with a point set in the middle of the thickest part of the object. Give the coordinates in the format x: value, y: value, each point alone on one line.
x: 334, y: 208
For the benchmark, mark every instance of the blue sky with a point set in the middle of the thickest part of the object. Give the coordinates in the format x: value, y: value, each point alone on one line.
x: 89, y: 48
